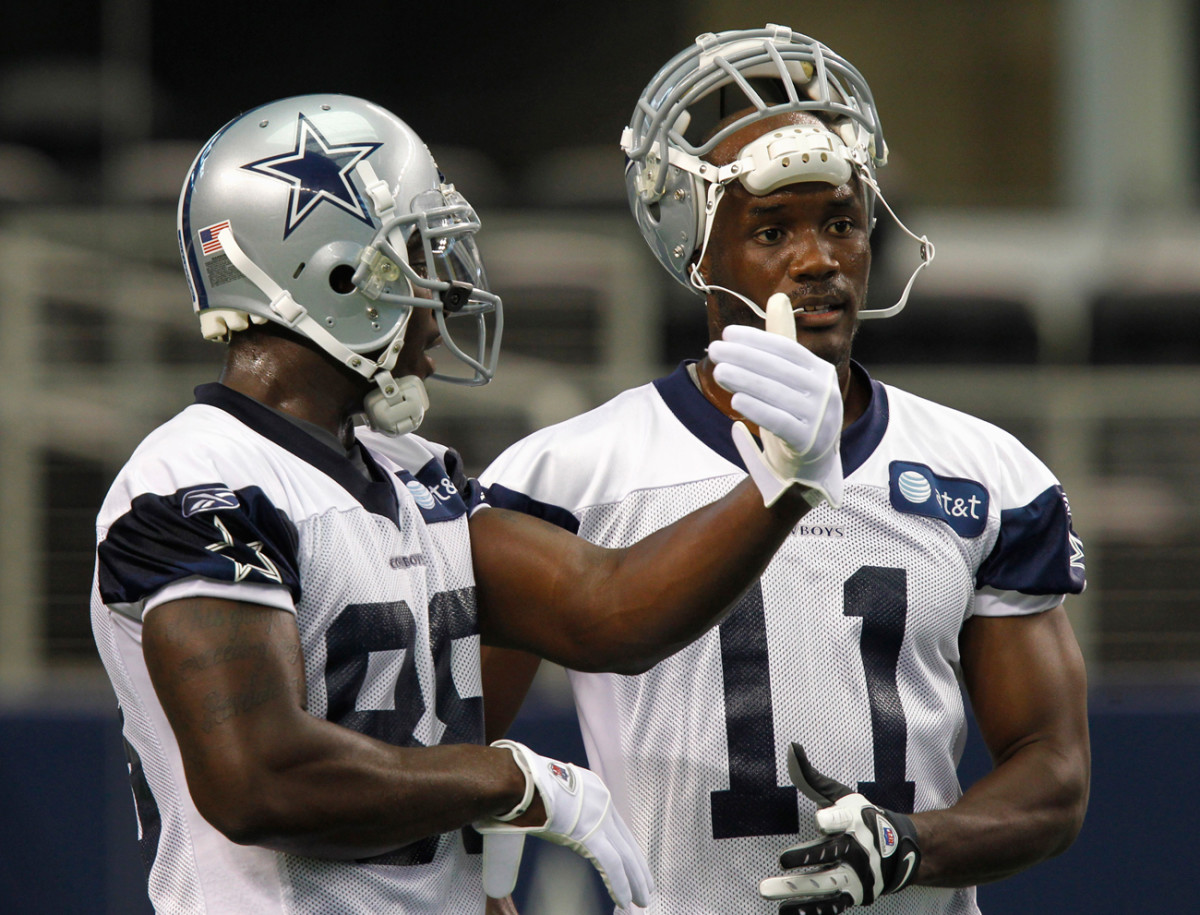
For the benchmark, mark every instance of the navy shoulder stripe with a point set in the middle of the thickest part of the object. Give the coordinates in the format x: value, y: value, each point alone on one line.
x: 503, y: 497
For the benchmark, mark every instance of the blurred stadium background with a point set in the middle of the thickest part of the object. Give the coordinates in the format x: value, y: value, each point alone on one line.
x: 1049, y: 148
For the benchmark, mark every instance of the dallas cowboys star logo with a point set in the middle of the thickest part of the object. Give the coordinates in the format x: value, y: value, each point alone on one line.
x: 1076, y: 551
x: 228, y: 548
x: 317, y: 171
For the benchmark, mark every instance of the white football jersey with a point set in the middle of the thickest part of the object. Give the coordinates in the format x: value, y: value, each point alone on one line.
x: 848, y: 644
x: 232, y: 500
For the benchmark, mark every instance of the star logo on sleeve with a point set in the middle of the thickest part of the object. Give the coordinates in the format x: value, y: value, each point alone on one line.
x: 1076, y: 552
x: 228, y: 548
x: 317, y: 171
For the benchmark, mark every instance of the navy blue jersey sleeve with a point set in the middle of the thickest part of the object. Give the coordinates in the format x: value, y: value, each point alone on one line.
x: 1036, y: 552
x: 206, y: 531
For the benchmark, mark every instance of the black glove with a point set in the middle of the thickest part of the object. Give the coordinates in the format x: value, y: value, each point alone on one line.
x: 868, y: 851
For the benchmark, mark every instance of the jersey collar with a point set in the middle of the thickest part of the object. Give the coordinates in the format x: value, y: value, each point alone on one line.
x: 376, y: 494
x: 712, y: 427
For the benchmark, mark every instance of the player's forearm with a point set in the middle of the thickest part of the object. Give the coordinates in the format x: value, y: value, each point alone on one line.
x: 264, y: 771
x: 507, y: 678
x: 338, y: 794
x: 504, y: 906
x: 1028, y: 688
x: 661, y: 602
x: 593, y: 609
x: 1029, y: 808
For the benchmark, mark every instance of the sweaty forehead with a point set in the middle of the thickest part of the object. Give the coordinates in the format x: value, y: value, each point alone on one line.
x: 727, y: 150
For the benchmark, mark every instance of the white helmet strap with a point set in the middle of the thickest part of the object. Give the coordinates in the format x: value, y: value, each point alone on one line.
x: 384, y: 205
x: 396, y: 407
x: 927, y: 252
x: 296, y: 316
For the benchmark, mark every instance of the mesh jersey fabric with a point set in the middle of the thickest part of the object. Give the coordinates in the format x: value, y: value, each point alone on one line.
x: 231, y: 501
x: 847, y: 644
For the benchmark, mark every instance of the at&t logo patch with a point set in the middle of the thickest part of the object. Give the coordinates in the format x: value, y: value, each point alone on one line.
x: 433, y: 492
x: 917, y: 490
x: 423, y: 496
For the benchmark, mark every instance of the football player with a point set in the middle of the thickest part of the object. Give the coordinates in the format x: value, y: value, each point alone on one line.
x: 292, y: 620
x: 942, y: 559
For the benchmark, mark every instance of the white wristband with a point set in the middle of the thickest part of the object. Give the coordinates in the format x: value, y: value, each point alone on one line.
x: 522, y: 805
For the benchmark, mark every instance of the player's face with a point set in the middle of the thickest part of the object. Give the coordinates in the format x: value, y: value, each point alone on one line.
x: 809, y: 240
x: 422, y: 334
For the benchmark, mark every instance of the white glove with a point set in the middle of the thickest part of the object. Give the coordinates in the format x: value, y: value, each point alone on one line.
x: 868, y: 852
x: 579, y: 815
x: 794, y: 398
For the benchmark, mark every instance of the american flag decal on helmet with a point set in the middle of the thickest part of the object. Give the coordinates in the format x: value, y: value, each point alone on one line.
x: 209, y: 244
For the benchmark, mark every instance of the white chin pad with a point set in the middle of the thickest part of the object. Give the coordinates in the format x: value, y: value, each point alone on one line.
x: 399, y: 412
x: 793, y: 154
x: 218, y: 323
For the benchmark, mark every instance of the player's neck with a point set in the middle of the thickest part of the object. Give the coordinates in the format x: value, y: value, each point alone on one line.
x: 296, y: 381
x: 717, y: 395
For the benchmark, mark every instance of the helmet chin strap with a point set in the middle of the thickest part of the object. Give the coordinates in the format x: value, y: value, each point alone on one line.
x: 927, y: 252
x: 697, y: 280
x: 716, y: 191
x: 393, y: 407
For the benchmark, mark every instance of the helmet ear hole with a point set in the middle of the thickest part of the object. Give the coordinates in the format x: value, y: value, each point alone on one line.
x: 341, y: 279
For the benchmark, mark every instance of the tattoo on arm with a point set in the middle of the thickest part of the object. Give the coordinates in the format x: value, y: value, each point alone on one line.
x: 220, y: 706
x: 238, y: 651
x: 190, y: 667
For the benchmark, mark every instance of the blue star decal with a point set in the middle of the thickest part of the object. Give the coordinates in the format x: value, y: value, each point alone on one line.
x: 317, y: 171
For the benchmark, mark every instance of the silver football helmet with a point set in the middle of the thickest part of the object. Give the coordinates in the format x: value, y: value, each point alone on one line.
x: 674, y: 192
x: 301, y: 212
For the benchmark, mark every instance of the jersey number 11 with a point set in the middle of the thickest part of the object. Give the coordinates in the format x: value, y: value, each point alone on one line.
x: 755, y: 804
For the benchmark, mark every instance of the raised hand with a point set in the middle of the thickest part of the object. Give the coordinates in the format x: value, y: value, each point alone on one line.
x: 794, y: 398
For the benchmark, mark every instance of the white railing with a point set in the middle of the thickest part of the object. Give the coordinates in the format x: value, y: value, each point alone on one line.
x: 1072, y: 412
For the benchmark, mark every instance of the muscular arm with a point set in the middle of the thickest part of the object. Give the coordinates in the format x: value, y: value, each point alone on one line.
x: 507, y: 677
x: 588, y: 608
x: 1026, y: 680
x: 264, y: 771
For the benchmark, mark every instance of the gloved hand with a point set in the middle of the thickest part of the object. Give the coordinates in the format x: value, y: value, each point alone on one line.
x: 579, y: 815
x: 869, y: 852
x: 794, y: 398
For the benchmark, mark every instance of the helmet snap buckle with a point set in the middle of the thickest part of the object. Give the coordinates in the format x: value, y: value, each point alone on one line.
x: 381, y: 270
x: 456, y: 294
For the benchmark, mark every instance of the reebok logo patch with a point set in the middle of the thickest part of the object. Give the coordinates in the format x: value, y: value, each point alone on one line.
x: 207, y: 499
